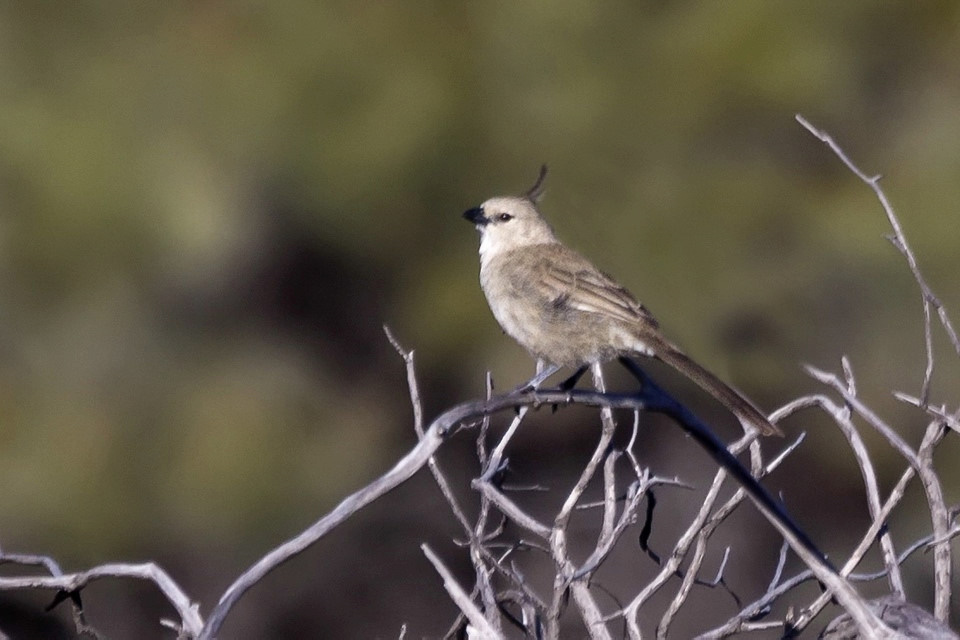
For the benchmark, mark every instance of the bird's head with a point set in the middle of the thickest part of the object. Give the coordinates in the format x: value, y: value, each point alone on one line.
x: 510, y: 222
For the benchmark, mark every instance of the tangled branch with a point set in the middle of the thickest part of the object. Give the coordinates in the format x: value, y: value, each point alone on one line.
x: 508, y: 533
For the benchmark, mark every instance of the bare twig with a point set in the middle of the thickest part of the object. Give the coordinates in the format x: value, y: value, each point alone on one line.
x: 940, y: 519
x: 951, y: 420
x: 899, y: 241
x: 473, y: 533
x: 841, y: 417
x: 481, y: 626
x: 906, y: 619
x: 402, y: 471
x: 865, y: 543
x: 923, y: 466
x: 705, y: 531
x: 496, y: 559
x: 865, y: 412
x: 589, y: 610
x: 190, y: 621
x: 417, y: 405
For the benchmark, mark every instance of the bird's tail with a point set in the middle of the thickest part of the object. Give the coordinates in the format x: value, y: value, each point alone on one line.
x: 745, y: 410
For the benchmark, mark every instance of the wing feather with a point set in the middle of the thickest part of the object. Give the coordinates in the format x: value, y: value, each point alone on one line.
x: 587, y: 289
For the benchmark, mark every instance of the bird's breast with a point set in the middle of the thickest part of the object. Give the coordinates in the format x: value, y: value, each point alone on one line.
x: 545, y: 322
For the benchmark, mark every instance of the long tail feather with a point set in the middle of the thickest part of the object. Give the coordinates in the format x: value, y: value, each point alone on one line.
x: 745, y: 410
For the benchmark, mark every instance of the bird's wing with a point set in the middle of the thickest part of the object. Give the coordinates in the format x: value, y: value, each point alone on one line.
x: 579, y: 285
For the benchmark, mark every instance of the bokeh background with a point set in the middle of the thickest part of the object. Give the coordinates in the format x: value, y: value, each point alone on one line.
x: 209, y: 209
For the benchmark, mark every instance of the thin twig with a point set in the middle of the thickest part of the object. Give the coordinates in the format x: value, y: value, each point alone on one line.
x: 923, y: 466
x: 707, y: 529
x: 841, y: 417
x: 587, y: 606
x: 414, y: 390
x: 480, y: 625
x: 190, y: 619
x: 866, y: 541
x: 899, y: 241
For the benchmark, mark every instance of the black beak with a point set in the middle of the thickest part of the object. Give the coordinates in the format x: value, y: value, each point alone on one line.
x: 475, y: 216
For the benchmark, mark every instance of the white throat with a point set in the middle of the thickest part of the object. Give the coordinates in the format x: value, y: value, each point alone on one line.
x: 488, y: 248
x: 496, y: 242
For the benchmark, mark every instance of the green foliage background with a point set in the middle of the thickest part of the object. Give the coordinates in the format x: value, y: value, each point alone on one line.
x: 208, y: 210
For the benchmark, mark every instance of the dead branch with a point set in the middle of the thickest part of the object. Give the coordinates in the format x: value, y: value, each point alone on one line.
x: 502, y: 596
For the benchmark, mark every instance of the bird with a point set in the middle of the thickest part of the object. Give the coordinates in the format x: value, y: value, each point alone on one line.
x: 568, y: 313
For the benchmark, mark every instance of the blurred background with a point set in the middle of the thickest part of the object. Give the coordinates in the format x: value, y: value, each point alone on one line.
x: 209, y: 209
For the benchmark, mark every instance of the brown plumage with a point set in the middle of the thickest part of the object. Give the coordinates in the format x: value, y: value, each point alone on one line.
x: 565, y: 311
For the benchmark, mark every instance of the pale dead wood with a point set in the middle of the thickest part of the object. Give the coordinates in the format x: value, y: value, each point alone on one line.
x: 503, y: 598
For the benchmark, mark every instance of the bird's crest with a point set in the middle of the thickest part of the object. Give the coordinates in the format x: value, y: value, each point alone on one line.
x: 536, y: 191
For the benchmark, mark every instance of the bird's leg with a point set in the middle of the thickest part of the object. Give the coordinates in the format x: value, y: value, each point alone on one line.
x: 572, y: 381
x: 544, y: 371
x: 597, y: 372
x: 567, y: 385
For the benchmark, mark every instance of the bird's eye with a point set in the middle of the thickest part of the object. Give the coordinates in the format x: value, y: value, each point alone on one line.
x: 504, y: 217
